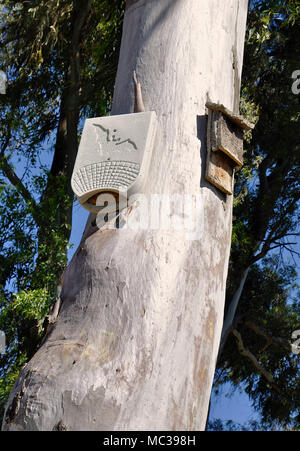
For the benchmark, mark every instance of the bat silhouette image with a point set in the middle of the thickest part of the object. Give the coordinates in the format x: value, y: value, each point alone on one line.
x: 112, y: 137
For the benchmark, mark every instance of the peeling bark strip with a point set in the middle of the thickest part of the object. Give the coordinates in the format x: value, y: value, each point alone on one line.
x: 136, y: 340
x: 138, y: 97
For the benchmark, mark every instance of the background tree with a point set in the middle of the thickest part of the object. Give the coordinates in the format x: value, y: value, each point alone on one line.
x: 262, y: 307
x: 61, y: 59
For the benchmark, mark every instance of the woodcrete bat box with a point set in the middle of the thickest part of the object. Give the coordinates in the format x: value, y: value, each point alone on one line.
x: 114, y: 154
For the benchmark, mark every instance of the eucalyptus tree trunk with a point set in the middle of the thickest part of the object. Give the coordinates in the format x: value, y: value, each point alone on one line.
x: 135, y: 343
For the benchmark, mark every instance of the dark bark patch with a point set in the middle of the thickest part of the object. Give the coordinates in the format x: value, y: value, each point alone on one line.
x: 60, y: 426
x: 210, y: 325
x: 14, y: 407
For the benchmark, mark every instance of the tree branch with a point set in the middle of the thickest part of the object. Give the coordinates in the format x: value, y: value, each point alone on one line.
x: 246, y: 353
x: 268, y: 337
x: 230, y: 314
x: 16, y: 182
x: 66, y: 145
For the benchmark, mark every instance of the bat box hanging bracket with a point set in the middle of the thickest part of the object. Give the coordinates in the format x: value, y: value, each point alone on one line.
x: 113, y: 156
x: 224, y: 145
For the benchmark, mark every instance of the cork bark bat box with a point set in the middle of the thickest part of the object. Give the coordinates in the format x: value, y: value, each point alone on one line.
x: 224, y: 145
x: 114, y: 154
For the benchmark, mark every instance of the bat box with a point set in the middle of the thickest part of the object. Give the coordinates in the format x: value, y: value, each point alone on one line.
x: 224, y: 145
x: 114, y: 155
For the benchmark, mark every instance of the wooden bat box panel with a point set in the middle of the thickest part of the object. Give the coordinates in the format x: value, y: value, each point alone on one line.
x: 224, y: 145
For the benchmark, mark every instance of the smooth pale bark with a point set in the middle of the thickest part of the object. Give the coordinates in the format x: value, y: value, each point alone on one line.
x: 137, y: 337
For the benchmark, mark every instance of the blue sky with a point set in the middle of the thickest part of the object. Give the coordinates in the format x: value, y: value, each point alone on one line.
x: 232, y: 405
